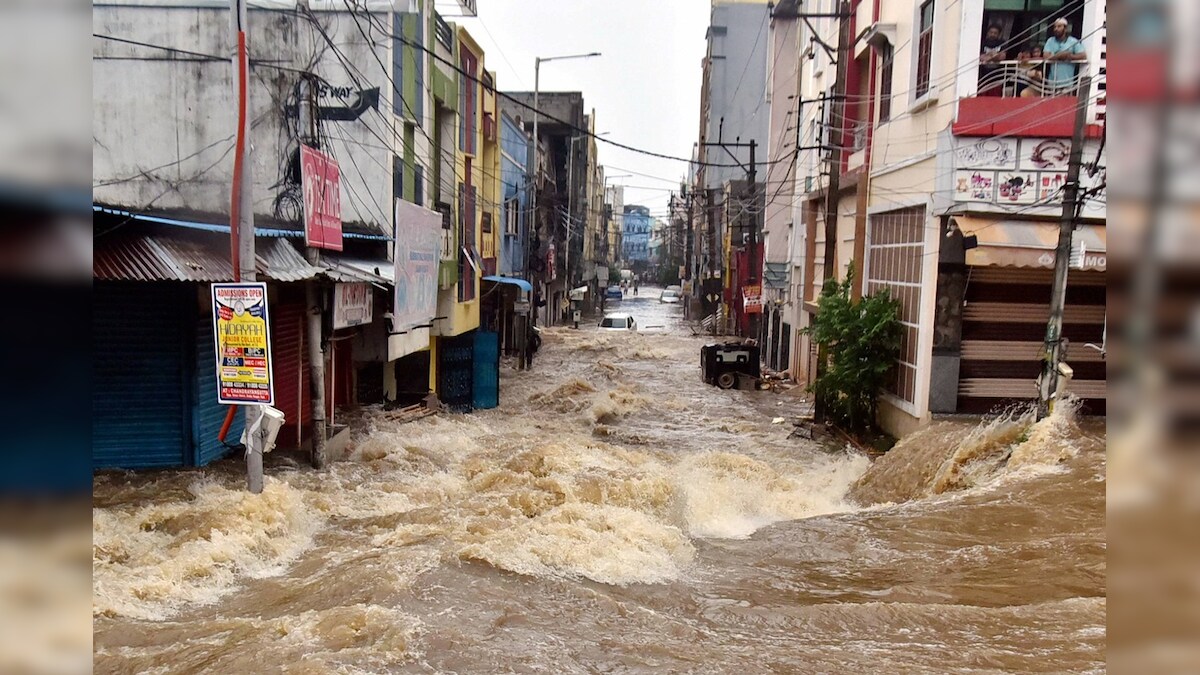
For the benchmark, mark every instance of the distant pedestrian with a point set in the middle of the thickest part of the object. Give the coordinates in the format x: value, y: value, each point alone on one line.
x: 635, y: 287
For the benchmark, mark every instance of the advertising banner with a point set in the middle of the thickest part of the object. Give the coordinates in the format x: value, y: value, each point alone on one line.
x: 242, y: 329
x: 321, y: 179
x: 351, y: 304
x: 752, y: 298
x: 418, y: 248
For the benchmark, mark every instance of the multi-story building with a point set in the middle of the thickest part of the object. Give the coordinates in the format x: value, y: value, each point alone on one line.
x: 951, y: 174
x: 635, y: 240
x: 734, y: 113
x: 614, y: 205
x: 560, y: 181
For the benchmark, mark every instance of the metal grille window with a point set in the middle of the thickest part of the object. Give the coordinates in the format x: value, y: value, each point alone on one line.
x: 512, y: 215
x: 886, y: 58
x: 894, y: 263
x: 925, y: 48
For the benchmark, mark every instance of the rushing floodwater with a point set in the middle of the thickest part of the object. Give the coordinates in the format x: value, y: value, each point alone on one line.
x: 613, y: 515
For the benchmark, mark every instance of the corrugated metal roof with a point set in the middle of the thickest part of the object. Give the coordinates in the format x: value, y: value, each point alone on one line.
x: 358, y: 269
x: 168, y: 256
x: 279, y: 260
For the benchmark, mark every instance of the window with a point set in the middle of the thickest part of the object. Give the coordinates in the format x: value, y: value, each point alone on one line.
x: 925, y: 48
x: 894, y: 264
x: 466, y: 243
x: 512, y: 215
x: 886, y: 57
x: 467, y: 88
x: 419, y: 185
x: 397, y: 178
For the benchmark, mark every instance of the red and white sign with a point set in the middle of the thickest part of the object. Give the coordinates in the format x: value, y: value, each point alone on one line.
x: 752, y: 298
x: 322, y: 199
x: 351, y: 304
x: 551, y: 273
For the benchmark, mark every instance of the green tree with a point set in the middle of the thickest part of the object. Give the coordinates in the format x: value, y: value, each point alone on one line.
x: 862, y: 342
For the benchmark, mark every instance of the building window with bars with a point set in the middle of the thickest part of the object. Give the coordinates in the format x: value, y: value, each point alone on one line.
x: 924, y: 48
x: 886, y: 58
x: 895, y: 251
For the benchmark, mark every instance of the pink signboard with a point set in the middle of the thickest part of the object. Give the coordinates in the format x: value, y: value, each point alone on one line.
x: 322, y: 199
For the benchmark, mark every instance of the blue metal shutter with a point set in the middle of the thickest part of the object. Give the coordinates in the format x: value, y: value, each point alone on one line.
x: 486, y: 384
x: 139, y: 411
x: 455, y: 372
x: 207, y: 414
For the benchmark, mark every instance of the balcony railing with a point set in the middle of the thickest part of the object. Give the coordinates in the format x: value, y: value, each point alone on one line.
x: 443, y: 33
x: 1027, y: 79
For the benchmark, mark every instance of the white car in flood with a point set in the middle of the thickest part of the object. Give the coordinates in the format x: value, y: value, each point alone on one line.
x: 618, y: 322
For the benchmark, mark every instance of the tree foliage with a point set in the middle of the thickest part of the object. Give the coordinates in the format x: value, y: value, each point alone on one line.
x: 862, y: 342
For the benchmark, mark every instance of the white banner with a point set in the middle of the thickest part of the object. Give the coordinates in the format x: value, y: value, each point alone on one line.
x: 418, y: 249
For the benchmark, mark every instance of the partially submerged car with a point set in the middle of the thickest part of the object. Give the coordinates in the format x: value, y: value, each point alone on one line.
x: 669, y: 296
x: 618, y: 322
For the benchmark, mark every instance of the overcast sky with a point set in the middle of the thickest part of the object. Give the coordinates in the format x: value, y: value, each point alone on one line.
x: 645, y: 88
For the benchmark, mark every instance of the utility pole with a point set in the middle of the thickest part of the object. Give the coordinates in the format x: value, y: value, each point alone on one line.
x: 836, y: 122
x: 751, y: 176
x: 1053, y: 346
x: 688, y: 253
x: 312, y: 297
x: 241, y: 221
x: 752, y: 254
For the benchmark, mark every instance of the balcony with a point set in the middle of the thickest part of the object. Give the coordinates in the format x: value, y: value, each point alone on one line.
x: 1020, y: 99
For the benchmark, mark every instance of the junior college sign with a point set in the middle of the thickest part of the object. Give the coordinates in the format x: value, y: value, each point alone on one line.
x: 242, y: 329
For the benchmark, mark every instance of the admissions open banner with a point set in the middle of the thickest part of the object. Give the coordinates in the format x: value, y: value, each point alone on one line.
x: 242, y: 329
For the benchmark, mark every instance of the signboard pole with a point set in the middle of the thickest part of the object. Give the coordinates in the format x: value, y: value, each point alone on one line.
x: 242, y: 220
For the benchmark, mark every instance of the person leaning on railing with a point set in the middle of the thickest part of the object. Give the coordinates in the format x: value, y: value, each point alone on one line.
x: 991, y: 72
x: 1064, y: 52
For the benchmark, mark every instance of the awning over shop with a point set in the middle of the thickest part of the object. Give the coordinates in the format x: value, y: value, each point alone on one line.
x: 190, y: 256
x: 519, y: 283
x: 1030, y: 243
x: 341, y: 268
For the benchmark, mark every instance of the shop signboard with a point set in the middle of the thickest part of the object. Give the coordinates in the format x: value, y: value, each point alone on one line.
x: 322, y: 193
x: 242, y: 328
x: 351, y: 304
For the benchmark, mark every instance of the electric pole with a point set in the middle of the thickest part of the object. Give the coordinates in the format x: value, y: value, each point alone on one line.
x: 836, y: 121
x: 241, y: 221
x: 1053, y: 346
x: 752, y: 254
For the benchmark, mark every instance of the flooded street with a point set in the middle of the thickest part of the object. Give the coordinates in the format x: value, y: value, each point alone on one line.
x: 615, y: 514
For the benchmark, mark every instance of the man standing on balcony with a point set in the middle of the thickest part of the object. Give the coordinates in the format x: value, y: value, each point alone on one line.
x: 1062, y: 52
x: 991, y: 78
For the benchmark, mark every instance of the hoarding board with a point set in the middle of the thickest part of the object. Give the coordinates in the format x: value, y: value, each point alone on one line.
x: 351, y: 304
x: 418, y: 249
x: 242, y: 331
x: 322, y: 189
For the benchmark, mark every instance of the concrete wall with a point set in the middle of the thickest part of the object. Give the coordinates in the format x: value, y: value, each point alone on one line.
x: 783, y: 105
x: 163, y: 122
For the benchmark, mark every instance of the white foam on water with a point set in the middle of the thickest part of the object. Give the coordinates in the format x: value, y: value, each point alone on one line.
x: 731, y: 496
x: 150, y: 561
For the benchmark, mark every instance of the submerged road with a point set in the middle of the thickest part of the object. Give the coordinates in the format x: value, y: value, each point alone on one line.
x: 615, y: 514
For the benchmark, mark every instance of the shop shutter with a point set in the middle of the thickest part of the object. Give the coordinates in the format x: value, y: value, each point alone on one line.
x: 456, y: 372
x: 290, y: 366
x: 207, y: 414
x: 139, y: 407
x: 486, y: 383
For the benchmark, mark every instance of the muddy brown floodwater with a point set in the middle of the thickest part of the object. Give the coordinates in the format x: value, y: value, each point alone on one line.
x: 616, y: 515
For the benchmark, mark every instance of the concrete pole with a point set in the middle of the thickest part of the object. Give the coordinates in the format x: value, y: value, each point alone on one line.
x: 316, y: 368
x: 1053, y: 345
x: 242, y: 218
x: 836, y: 122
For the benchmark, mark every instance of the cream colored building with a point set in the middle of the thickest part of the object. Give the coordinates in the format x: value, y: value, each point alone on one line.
x: 950, y: 195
